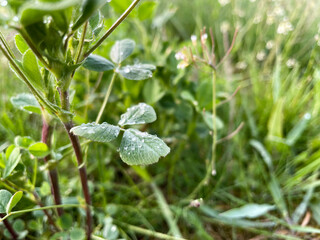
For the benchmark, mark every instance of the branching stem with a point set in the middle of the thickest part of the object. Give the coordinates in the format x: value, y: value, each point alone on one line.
x: 105, y: 101
x: 112, y: 28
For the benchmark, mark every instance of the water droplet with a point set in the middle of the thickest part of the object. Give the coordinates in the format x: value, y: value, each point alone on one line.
x: 113, y: 228
x: 127, y: 70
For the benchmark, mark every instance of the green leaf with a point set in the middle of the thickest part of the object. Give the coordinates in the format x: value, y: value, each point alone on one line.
x: 89, y: 7
x: 98, y: 63
x: 208, y: 119
x: 152, y: 91
x: 110, y: 231
x: 21, y: 44
x: 26, y: 102
x: 34, y: 12
x: 39, y: 149
x: 138, y: 148
x: 275, y: 123
x: 31, y: 69
x: 139, y: 114
x: 263, y: 152
x: 248, y: 211
x: 97, y: 132
x: 65, y: 221
x: 12, y: 162
x: 77, y: 234
x: 121, y: 50
x: 23, y: 142
x: 45, y: 189
x: 13, y: 201
x: 296, y: 132
x: 146, y: 10
x: 136, y: 72
x: 5, y: 197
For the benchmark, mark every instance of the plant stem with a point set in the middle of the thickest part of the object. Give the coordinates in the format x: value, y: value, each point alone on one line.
x: 64, y: 96
x: 147, y: 232
x: 105, y: 101
x: 112, y: 28
x: 10, y: 229
x: 6, y: 45
x: 80, y: 47
x: 33, y: 47
x: 50, y: 220
x: 83, y: 175
x: 53, y: 173
x: 35, y: 92
x: 214, y: 124
x: 211, y: 170
x: 38, y: 209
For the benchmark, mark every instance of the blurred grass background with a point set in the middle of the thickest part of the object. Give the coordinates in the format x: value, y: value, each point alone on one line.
x: 274, y: 159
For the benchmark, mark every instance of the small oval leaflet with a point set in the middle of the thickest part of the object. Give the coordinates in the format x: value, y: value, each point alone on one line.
x: 97, y: 132
x: 98, y: 63
x: 121, y: 50
x: 140, y: 148
x: 137, y: 72
x: 12, y: 162
x: 26, y: 102
x: 5, y: 197
x: 251, y: 210
x: 139, y: 114
x: 14, y: 201
x: 39, y: 149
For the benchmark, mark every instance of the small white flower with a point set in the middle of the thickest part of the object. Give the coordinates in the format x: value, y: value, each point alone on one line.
x: 278, y: 11
x: 225, y: 26
x: 193, y: 38
x: 180, y: 56
x: 285, y: 27
x: 224, y: 2
x: 291, y: 63
x: 257, y: 19
x: 241, y: 65
x: 270, y: 44
x: 182, y: 65
x: 196, y: 203
x: 204, y: 37
x: 261, y: 56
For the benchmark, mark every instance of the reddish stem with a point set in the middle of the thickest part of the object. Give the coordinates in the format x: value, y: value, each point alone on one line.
x: 10, y: 229
x: 53, y: 173
x: 83, y: 175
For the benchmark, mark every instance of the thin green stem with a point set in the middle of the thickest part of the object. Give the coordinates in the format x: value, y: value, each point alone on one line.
x: 40, y: 208
x: 112, y: 28
x: 80, y: 46
x: 165, y: 209
x: 33, y: 48
x: 214, y: 124
x: 105, y: 101
x: 26, y: 80
x: 147, y: 232
x: 211, y: 170
x: 6, y: 45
